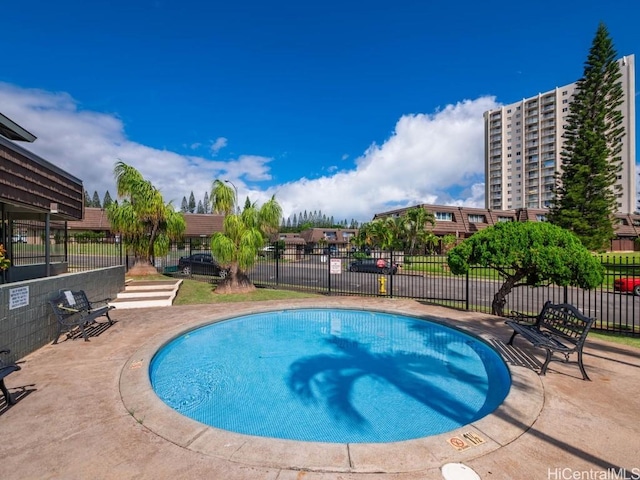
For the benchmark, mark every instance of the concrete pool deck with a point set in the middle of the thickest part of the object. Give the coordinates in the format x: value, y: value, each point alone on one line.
x: 85, y: 410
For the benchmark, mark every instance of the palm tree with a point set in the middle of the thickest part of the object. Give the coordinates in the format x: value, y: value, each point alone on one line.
x: 143, y: 220
x: 415, y: 223
x: 243, y: 235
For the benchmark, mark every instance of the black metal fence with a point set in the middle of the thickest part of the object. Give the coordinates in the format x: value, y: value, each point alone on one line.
x: 424, y: 278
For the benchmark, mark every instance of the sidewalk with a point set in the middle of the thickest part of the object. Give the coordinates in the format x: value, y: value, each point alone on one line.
x: 79, y: 415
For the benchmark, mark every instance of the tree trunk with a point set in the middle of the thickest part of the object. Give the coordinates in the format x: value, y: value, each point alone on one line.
x: 500, y: 298
x: 142, y: 267
x: 236, y: 282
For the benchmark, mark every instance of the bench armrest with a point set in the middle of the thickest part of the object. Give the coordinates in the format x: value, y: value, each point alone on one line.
x: 522, y: 317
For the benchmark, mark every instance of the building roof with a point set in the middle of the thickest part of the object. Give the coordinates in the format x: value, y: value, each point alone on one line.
x: 203, y: 224
x: 330, y: 235
x: 465, y: 221
x: 197, y: 224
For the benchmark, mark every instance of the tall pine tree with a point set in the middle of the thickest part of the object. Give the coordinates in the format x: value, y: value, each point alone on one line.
x: 192, y: 203
x: 107, y: 200
x: 586, y: 192
x: 206, y: 203
x: 184, y: 206
x: 87, y: 200
x: 96, y: 200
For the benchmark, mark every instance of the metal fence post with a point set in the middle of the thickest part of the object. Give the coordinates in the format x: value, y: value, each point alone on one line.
x: 276, y: 254
x: 391, y: 276
x: 328, y: 273
x: 467, y: 289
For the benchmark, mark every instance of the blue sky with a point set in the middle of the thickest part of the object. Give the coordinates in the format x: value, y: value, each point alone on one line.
x: 350, y: 108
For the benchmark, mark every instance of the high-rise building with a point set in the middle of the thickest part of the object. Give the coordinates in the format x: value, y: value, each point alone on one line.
x: 523, y: 142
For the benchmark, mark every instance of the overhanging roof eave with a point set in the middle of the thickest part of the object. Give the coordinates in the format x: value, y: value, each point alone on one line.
x: 13, y: 131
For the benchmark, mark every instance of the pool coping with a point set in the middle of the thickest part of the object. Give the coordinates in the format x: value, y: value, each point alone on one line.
x: 510, y: 420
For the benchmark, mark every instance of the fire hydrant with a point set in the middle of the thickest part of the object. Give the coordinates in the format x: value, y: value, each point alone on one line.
x: 382, y: 285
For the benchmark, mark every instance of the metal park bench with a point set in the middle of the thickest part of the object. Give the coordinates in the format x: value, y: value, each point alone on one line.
x: 73, y: 310
x: 6, y: 369
x: 560, y: 328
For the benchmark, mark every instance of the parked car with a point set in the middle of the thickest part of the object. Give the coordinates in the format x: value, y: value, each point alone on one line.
x: 627, y: 284
x: 267, y: 251
x: 373, y: 265
x: 19, y: 239
x: 201, y: 264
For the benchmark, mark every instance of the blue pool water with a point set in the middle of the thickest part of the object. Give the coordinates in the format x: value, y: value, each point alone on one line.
x: 330, y: 375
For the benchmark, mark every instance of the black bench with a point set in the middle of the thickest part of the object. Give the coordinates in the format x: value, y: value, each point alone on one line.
x: 74, y: 310
x: 560, y: 328
x: 6, y: 369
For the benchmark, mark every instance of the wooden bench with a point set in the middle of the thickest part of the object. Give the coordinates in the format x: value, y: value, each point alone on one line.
x: 6, y: 369
x: 73, y: 310
x: 560, y: 328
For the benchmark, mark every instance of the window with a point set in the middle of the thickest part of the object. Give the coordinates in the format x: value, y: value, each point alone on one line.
x: 565, y: 100
x: 444, y: 216
x: 505, y: 219
x: 564, y: 109
x: 509, y: 111
x: 541, y: 218
x: 330, y: 235
x: 478, y: 218
x: 564, y: 93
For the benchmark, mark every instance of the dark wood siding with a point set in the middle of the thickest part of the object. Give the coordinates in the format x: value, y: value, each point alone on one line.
x: 36, y: 184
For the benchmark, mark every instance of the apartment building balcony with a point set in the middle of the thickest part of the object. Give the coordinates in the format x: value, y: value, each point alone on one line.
x: 532, y: 120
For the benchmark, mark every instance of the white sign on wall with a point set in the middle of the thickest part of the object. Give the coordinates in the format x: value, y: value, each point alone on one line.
x: 18, y: 297
x: 335, y: 266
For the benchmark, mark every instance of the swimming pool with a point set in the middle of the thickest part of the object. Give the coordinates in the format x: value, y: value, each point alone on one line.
x: 330, y: 375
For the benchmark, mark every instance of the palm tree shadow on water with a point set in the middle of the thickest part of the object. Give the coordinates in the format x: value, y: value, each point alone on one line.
x: 331, y: 378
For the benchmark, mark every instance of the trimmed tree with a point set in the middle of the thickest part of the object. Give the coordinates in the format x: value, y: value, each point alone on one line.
x: 146, y: 224
x: 586, y: 192
x: 527, y: 253
x: 236, y: 247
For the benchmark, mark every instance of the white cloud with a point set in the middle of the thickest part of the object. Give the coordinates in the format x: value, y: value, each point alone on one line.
x: 218, y: 144
x: 426, y: 157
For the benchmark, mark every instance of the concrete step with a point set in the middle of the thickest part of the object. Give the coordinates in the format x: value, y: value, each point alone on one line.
x: 145, y: 294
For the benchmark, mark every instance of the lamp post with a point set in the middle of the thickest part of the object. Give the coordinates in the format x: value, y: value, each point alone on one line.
x: 235, y: 203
